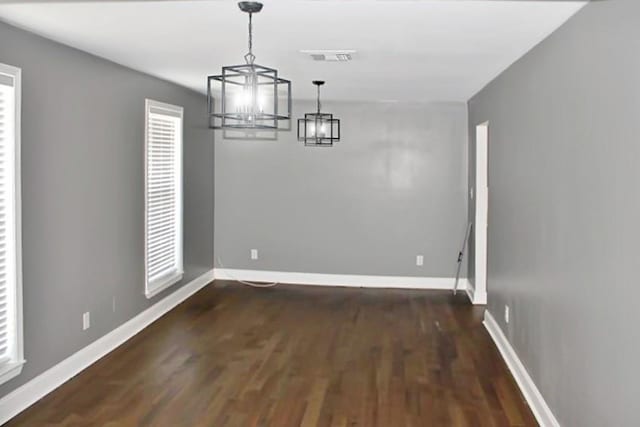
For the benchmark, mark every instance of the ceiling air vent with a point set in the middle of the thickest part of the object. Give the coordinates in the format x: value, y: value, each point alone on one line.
x: 330, y: 55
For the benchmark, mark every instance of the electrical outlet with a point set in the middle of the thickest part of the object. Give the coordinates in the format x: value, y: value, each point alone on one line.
x: 506, y: 313
x: 419, y: 260
x: 254, y: 254
x: 86, y: 321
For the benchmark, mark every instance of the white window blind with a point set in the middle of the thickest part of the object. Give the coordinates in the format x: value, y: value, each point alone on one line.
x: 163, y: 196
x: 11, y: 357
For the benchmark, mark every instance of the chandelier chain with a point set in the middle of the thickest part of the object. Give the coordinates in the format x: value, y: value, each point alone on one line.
x: 251, y: 33
x: 250, y: 57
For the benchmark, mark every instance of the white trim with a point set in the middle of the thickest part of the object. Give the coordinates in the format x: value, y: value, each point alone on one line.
x: 20, y: 361
x: 528, y: 388
x: 481, y: 220
x: 170, y: 281
x: 476, y: 298
x: 176, y: 112
x: 11, y: 370
x: 26, y: 395
x: 14, y: 367
x: 343, y: 280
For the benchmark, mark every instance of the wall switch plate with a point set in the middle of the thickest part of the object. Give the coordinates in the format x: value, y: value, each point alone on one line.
x: 254, y: 254
x: 419, y: 260
x: 506, y: 313
x: 86, y: 321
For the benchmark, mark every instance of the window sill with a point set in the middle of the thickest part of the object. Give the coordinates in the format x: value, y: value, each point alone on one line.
x: 169, y: 281
x: 10, y: 370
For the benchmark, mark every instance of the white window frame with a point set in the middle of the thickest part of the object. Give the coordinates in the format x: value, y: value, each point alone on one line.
x: 172, y: 110
x: 13, y: 366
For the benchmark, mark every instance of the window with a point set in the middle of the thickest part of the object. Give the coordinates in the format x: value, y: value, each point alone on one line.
x: 11, y: 356
x: 163, y: 196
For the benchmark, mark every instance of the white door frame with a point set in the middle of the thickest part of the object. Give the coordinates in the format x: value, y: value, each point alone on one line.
x: 481, y: 220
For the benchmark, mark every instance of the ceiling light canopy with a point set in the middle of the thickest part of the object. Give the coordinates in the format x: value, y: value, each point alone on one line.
x: 251, y: 96
x: 318, y: 129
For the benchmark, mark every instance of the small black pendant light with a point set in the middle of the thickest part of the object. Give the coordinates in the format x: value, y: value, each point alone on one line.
x: 318, y: 129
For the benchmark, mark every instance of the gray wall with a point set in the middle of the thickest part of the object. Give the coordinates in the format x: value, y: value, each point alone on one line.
x: 392, y: 188
x: 83, y: 193
x: 564, y: 210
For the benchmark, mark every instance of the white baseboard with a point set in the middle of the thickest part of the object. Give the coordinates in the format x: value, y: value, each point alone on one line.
x: 536, y: 402
x: 26, y: 395
x: 342, y: 280
x: 477, y: 298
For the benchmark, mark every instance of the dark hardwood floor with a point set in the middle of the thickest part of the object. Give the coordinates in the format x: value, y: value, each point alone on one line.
x: 298, y: 356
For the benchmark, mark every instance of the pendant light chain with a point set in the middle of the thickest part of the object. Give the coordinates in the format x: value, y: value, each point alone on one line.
x: 318, y: 99
x: 250, y: 57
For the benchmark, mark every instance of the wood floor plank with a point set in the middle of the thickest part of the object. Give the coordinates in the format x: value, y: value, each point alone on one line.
x: 298, y: 356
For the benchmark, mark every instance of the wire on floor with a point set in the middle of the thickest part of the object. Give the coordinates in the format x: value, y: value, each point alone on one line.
x: 244, y: 282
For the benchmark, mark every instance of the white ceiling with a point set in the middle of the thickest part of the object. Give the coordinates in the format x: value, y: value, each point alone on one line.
x: 429, y: 50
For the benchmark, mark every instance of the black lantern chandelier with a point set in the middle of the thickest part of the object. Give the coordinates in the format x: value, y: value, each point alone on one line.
x: 318, y: 129
x: 251, y: 96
